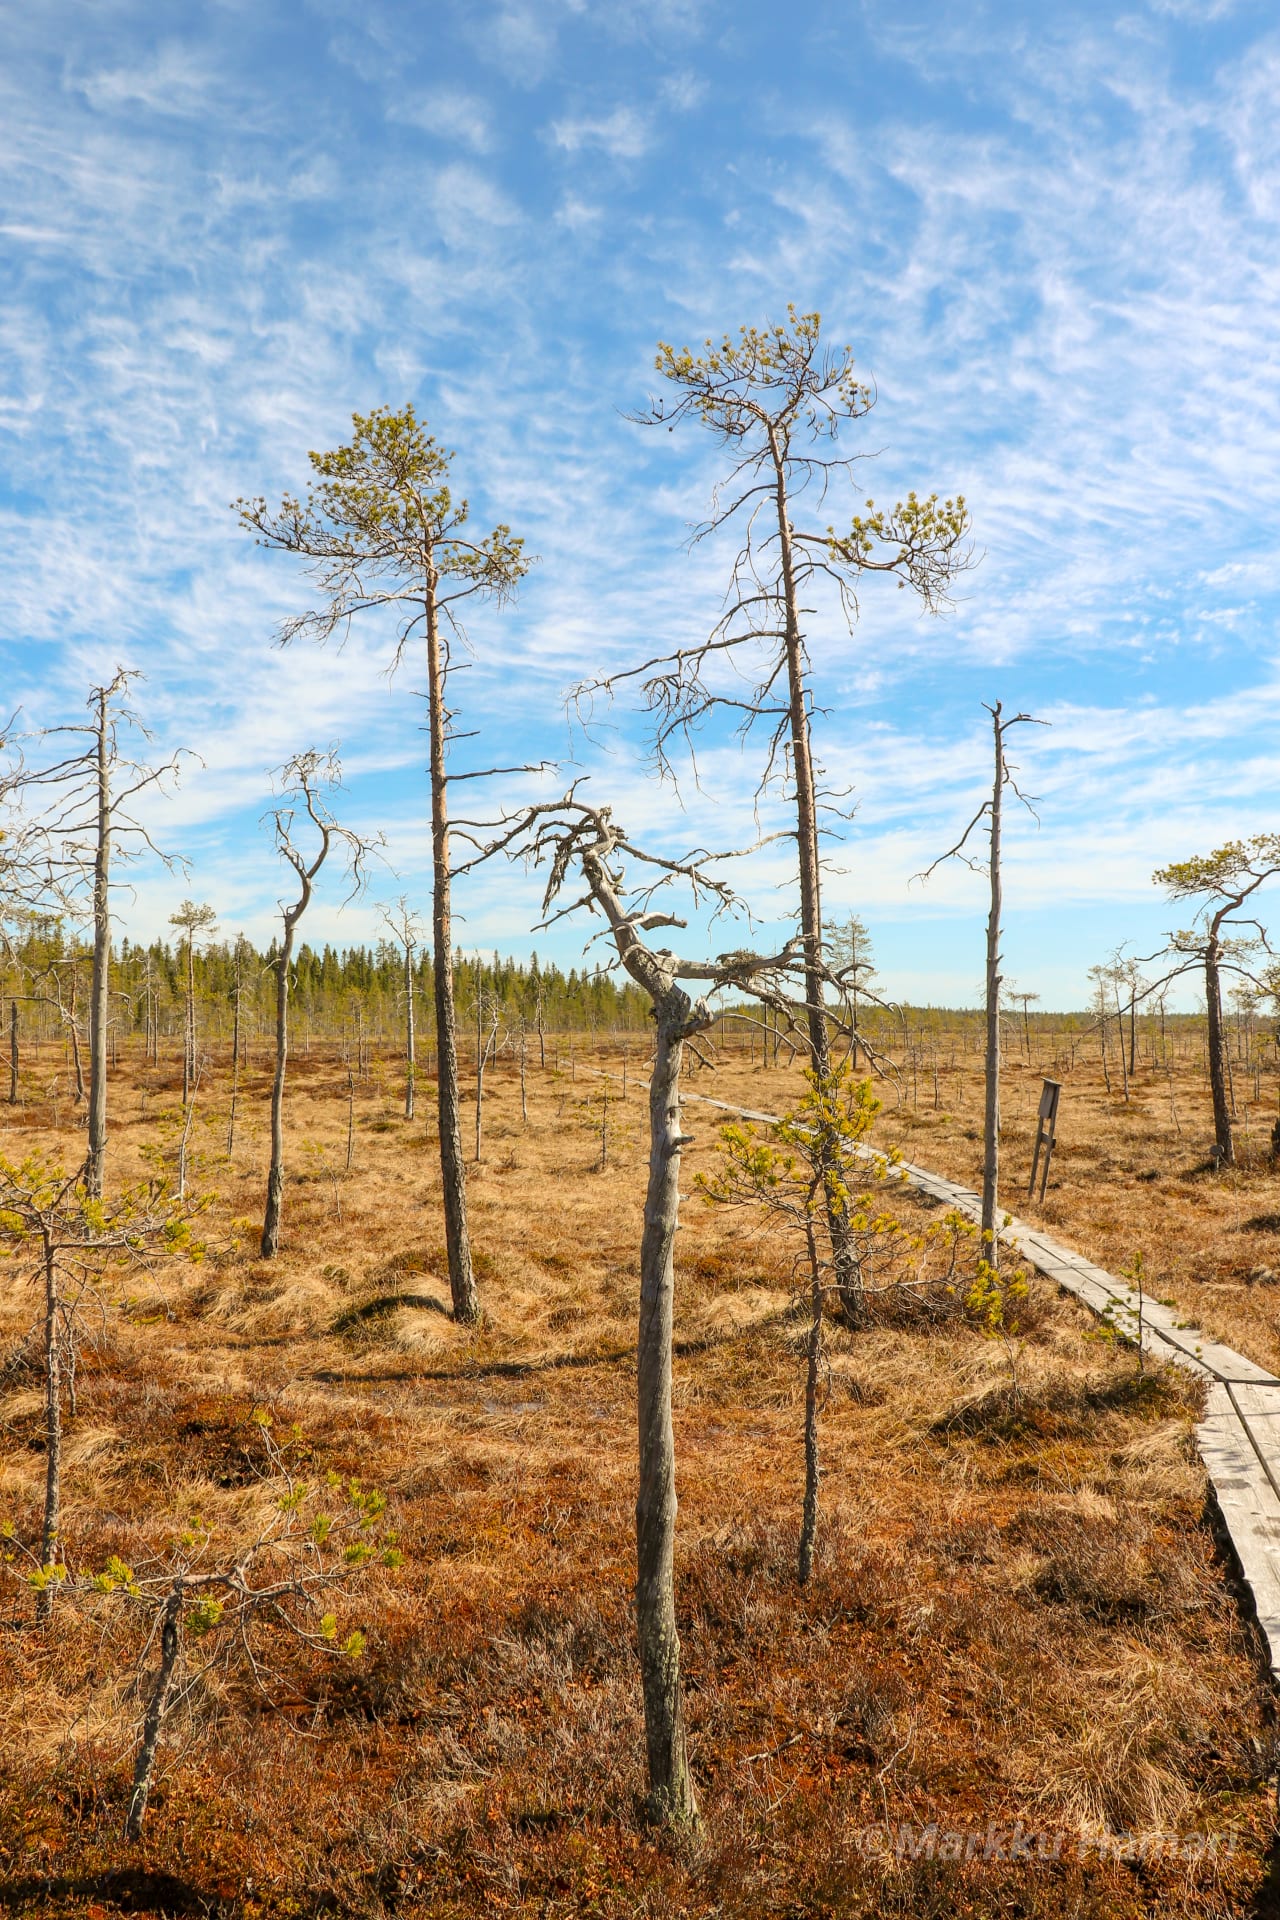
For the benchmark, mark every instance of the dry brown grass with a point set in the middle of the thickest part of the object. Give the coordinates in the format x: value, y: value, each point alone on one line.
x: 1020, y: 1609
x: 1128, y: 1176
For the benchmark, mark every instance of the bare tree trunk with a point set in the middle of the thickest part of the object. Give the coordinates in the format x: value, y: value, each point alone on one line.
x: 184, y: 1142
x: 235, y: 1076
x: 72, y: 1027
x: 1217, y: 1050
x: 848, y: 1279
x: 52, y: 1429
x: 1124, y: 1066
x: 13, y: 1053
x: 99, y: 993
x: 524, y: 1098
x: 410, y: 1039
x: 480, y: 1052
x: 275, y: 1172
x: 812, y: 1471
x: 157, y: 1706
x: 671, y: 1796
x: 453, y: 1178
x: 991, y: 1107
x: 189, y: 1022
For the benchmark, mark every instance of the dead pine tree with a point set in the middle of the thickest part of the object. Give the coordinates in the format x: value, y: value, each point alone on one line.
x: 380, y: 529
x: 853, y: 968
x: 56, y: 985
x: 238, y: 963
x: 992, y: 812
x: 777, y: 399
x: 304, y: 780
x: 90, y: 823
x: 1222, y: 881
x: 194, y: 922
x: 487, y: 1023
x: 1025, y: 999
x: 405, y: 929
x: 572, y: 836
x: 524, y: 1092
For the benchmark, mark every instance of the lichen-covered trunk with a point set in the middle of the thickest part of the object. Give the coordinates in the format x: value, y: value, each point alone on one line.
x: 100, y: 988
x: 1222, y: 1132
x: 671, y: 1797
x: 991, y: 1106
x: 52, y: 1431
x: 453, y: 1177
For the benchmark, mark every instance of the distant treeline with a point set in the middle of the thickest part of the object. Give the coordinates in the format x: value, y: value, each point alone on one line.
x: 337, y: 991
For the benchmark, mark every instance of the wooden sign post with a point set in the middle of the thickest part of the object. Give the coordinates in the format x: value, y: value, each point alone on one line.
x: 1046, y: 1134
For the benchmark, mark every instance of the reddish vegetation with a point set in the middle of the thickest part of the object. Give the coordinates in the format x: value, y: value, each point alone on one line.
x: 1019, y: 1612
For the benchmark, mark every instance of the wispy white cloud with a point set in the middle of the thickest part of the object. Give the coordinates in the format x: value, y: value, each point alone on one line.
x: 448, y: 114
x: 623, y: 133
x: 519, y: 37
x: 578, y: 215
x: 683, y: 91
x: 173, y: 81
x: 467, y: 203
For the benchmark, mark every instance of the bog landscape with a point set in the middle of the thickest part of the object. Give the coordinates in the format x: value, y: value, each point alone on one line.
x: 489, y: 1435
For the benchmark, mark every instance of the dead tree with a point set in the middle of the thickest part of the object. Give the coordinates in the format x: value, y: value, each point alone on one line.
x: 1223, y: 881
x: 1025, y: 999
x: 992, y: 811
x: 853, y: 967
x: 88, y: 824
x: 486, y: 1047
x: 405, y: 929
x: 775, y: 397
x: 570, y: 835
x: 239, y: 958
x: 381, y: 529
x: 194, y: 923
x: 303, y: 780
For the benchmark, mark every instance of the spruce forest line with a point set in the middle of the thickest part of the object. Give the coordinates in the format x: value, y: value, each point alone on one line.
x: 342, y: 995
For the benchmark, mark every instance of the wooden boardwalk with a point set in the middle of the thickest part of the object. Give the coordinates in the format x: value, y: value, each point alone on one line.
x: 1239, y: 1437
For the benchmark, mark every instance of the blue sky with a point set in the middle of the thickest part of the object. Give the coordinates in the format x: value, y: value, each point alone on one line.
x: 1052, y: 238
